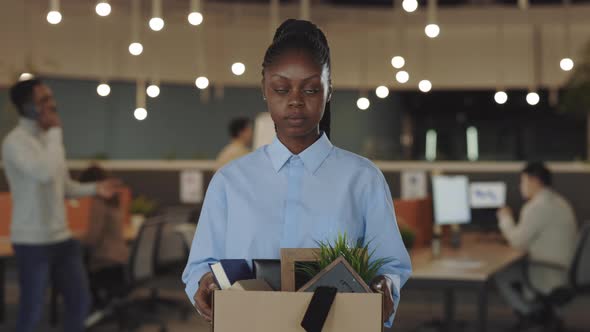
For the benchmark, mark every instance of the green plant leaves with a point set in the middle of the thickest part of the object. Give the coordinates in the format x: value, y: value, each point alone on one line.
x: 356, y: 254
x: 142, y: 205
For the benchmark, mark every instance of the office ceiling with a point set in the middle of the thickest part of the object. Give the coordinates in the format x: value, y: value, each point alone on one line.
x: 388, y: 3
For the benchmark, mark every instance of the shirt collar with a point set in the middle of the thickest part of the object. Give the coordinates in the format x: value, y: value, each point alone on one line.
x: 312, y: 157
x: 29, y: 126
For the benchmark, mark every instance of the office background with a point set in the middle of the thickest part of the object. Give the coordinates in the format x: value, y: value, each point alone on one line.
x: 457, y: 126
x: 182, y: 126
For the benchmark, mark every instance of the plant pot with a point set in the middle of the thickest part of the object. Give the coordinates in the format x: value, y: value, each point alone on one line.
x: 408, y: 237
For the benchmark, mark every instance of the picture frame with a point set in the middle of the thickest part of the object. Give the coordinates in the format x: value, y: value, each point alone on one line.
x: 347, y: 278
x: 289, y: 258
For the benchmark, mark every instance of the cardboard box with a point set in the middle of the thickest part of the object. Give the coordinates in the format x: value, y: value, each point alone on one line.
x: 251, y: 285
x: 283, y: 311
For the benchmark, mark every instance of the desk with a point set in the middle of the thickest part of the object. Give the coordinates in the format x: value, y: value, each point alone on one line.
x: 472, y: 266
x: 6, y: 252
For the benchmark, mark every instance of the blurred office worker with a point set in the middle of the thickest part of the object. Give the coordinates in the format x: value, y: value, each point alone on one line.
x: 104, y: 241
x: 241, y: 133
x: 34, y: 162
x: 546, y: 230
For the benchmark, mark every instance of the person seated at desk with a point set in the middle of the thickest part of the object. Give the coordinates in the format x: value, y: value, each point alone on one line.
x: 241, y: 133
x: 546, y: 230
x: 104, y: 240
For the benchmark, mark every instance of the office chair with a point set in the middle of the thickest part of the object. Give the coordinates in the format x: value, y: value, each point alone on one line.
x: 177, y: 236
x: 578, y: 283
x: 130, y: 312
x: 186, y: 232
x: 170, y: 258
x: 183, y: 213
x: 177, y: 213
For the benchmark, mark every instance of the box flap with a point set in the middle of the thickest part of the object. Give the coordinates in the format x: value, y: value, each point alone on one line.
x: 251, y: 285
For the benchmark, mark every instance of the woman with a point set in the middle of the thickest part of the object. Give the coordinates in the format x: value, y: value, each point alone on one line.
x: 300, y: 189
x: 104, y: 241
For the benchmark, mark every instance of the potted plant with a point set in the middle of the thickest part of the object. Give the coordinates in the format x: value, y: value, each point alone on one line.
x: 140, y: 208
x: 408, y: 237
x: 356, y: 254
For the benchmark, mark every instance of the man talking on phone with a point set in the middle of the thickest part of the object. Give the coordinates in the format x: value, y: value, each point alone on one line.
x: 34, y: 162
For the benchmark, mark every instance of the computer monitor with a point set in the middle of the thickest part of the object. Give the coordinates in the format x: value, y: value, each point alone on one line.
x: 487, y: 195
x: 450, y: 195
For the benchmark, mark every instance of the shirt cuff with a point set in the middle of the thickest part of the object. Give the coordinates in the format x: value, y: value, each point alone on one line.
x: 192, y: 284
x: 191, y: 289
x: 395, y: 292
x: 55, y: 134
x: 506, y: 224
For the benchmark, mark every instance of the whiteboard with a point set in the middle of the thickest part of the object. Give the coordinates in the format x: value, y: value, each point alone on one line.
x: 450, y: 196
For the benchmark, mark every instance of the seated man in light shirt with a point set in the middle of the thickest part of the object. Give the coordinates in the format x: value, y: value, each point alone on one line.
x: 546, y: 231
x: 241, y: 133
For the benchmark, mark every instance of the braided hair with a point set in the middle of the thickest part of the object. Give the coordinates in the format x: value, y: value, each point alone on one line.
x: 302, y: 35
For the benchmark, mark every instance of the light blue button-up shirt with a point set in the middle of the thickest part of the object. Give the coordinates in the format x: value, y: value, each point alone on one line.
x: 272, y: 199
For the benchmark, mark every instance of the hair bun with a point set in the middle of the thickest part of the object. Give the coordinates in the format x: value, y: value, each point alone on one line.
x: 293, y: 27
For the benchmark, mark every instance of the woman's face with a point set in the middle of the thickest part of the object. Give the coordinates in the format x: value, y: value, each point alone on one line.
x: 296, y: 90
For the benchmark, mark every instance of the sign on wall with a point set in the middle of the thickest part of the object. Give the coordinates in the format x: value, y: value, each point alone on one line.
x: 191, y: 186
x: 414, y: 185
